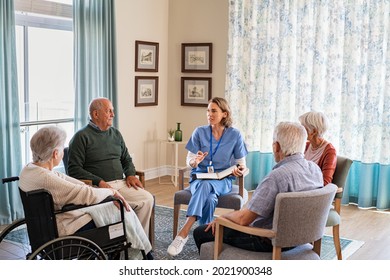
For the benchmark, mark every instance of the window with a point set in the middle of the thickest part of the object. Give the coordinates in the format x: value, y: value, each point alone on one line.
x: 44, y: 46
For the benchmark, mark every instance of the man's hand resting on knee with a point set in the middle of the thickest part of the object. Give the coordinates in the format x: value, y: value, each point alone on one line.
x: 133, y: 181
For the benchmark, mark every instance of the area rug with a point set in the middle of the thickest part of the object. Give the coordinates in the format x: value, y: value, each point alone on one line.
x: 348, y: 247
x: 164, y: 229
x: 163, y: 237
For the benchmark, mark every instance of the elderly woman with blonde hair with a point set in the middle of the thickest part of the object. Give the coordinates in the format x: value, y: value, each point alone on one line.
x: 47, y: 146
x: 318, y: 149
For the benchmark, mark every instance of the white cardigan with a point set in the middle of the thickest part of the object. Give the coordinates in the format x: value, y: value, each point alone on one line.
x: 64, y: 190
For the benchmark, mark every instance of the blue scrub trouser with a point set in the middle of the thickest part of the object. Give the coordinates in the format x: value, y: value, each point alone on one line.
x: 204, y: 198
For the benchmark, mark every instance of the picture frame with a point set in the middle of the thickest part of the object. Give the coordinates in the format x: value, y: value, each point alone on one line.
x: 195, y: 91
x: 196, y: 57
x: 146, y: 91
x: 146, y: 56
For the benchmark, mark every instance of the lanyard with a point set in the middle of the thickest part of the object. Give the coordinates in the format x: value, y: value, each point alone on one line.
x: 211, y: 144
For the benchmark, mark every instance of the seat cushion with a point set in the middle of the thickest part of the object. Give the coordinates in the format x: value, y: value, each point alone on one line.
x: 302, y: 252
x: 182, y: 197
x: 230, y: 200
x: 333, y: 218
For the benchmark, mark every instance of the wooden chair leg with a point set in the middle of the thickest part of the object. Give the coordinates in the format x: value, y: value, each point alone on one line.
x: 218, y: 241
x: 336, y: 240
x: 176, y: 210
x: 317, y: 247
x: 277, y: 253
x: 151, y: 228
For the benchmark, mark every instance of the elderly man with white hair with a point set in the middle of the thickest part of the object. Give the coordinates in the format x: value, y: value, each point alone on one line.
x: 98, y: 153
x: 292, y: 173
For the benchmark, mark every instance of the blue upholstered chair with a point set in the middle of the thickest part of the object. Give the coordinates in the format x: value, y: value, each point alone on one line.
x: 334, y: 219
x: 233, y: 200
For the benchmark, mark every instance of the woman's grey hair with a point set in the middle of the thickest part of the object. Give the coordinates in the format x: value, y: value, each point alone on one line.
x: 291, y: 137
x: 315, y: 121
x: 224, y: 106
x: 96, y: 104
x: 45, y: 141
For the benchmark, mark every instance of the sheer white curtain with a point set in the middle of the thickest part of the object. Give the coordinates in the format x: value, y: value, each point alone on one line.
x: 289, y: 57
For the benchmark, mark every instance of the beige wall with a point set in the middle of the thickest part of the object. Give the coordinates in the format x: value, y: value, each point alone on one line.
x: 195, y: 21
x: 170, y: 23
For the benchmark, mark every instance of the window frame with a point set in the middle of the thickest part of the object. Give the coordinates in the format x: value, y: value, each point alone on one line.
x: 39, y: 14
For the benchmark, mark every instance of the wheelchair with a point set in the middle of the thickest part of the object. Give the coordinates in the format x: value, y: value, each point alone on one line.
x: 36, y: 236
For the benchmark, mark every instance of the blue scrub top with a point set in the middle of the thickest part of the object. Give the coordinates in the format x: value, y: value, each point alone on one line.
x: 231, y: 147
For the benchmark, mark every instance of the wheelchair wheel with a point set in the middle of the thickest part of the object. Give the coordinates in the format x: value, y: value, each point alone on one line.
x: 69, y: 248
x: 14, y: 242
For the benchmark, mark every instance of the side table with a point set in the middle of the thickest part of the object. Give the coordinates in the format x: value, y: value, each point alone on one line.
x: 174, y: 145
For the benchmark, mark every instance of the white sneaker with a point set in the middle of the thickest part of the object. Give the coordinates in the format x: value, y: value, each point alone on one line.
x: 177, y: 245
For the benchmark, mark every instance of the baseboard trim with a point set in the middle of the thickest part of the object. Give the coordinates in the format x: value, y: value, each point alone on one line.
x: 165, y: 170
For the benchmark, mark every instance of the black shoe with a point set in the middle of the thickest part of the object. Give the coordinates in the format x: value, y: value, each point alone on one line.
x: 149, y: 256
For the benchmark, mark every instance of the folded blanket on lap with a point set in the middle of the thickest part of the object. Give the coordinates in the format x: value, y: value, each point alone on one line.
x: 108, y: 213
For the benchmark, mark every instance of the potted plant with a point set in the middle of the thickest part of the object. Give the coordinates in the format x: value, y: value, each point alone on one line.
x: 171, y: 135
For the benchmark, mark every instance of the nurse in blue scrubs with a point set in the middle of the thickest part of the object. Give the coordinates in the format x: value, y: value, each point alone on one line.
x: 211, y: 148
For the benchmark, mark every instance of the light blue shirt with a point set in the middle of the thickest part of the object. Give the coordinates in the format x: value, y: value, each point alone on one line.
x: 292, y: 174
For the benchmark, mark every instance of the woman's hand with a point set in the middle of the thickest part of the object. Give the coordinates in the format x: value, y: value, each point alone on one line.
x: 121, y: 198
x: 239, y: 171
x: 198, y: 159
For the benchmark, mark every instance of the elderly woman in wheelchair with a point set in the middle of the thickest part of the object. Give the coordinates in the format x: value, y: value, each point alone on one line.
x: 47, y: 146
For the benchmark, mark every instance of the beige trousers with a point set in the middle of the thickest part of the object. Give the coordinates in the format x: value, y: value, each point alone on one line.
x: 141, y: 201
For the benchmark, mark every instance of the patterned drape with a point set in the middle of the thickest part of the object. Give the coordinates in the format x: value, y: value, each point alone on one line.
x: 289, y: 57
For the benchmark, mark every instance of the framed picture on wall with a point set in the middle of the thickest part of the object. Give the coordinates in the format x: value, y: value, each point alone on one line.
x: 195, y: 91
x: 146, y: 91
x: 146, y: 56
x: 196, y: 57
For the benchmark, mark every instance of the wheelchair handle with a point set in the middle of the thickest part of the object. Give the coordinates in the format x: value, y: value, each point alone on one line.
x: 10, y: 179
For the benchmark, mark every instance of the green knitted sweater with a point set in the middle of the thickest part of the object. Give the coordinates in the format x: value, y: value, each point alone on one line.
x: 99, y: 155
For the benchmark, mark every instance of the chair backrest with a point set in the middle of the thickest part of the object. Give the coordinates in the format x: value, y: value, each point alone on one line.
x: 40, y: 217
x: 341, y: 173
x: 300, y: 217
x: 65, y: 159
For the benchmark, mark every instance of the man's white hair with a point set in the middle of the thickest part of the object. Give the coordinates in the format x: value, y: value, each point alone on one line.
x: 291, y: 137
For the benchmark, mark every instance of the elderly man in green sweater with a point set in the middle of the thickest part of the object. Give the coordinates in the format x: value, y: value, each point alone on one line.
x: 98, y: 152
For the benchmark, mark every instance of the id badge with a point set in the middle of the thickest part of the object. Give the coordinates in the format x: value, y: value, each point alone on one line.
x: 210, y: 168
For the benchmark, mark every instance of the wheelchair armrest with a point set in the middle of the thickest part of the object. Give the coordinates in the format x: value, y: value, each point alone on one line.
x: 71, y: 207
